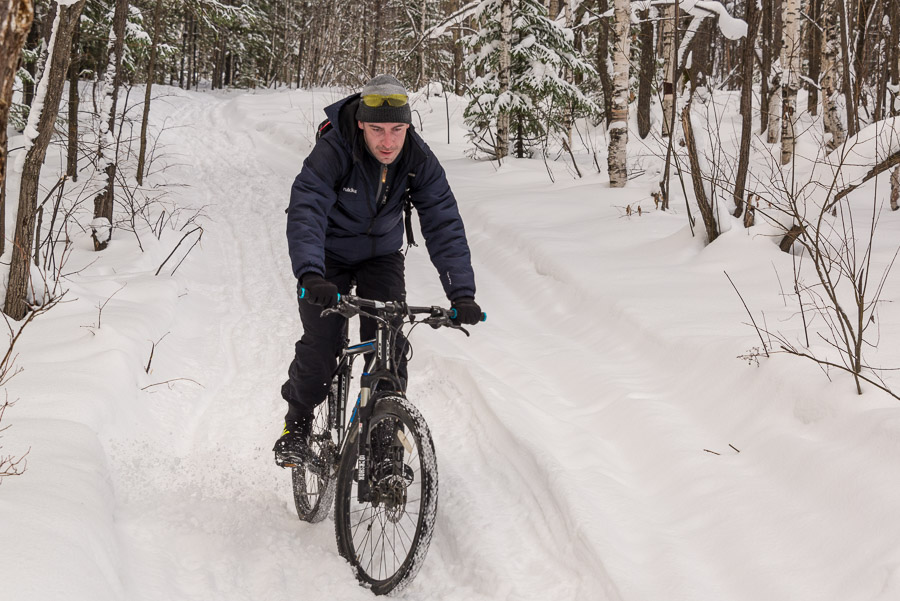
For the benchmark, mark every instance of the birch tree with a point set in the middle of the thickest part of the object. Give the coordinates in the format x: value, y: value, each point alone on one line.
x: 103, y: 203
x: 834, y: 129
x: 40, y: 127
x: 790, y: 61
x: 502, y: 141
x: 618, y: 129
x: 667, y: 49
x: 15, y: 20
x: 775, y: 75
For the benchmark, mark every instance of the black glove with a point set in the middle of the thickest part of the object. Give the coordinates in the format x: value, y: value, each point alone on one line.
x: 467, y: 311
x: 319, y: 291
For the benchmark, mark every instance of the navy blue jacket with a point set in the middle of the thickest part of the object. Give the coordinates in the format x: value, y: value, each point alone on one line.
x: 333, y: 210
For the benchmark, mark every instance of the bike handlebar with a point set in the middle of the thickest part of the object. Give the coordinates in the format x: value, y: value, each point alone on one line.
x: 350, y: 305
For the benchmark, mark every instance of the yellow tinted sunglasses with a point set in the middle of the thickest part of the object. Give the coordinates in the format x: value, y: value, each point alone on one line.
x: 375, y: 100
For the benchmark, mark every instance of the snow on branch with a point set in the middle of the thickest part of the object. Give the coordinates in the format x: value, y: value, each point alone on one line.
x: 872, y: 151
x: 454, y: 19
x: 440, y: 29
x: 731, y: 27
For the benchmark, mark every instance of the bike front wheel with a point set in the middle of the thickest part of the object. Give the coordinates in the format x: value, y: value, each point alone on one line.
x: 386, y: 535
x: 314, y: 484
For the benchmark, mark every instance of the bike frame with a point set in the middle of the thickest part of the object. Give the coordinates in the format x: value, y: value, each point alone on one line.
x: 379, y: 367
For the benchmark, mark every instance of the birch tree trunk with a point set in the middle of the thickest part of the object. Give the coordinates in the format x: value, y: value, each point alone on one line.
x: 15, y: 20
x: 790, y: 61
x: 151, y: 75
x: 773, y: 128
x: 618, y: 129
x: 45, y: 110
x: 830, y: 72
x: 104, y: 201
x: 667, y: 25
x: 502, y: 143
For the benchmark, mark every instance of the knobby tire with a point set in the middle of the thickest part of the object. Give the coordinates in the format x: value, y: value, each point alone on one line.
x: 386, y: 542
x: 314, y: 493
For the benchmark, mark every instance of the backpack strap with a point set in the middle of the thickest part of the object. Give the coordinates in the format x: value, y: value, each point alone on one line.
x: 323, y: 128
x: 407, y: 210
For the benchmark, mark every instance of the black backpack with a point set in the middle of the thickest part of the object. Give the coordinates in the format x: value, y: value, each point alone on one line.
x: 326, y: 126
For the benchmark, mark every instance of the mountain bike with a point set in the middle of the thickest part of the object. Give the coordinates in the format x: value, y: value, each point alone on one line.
x: 374, y: 459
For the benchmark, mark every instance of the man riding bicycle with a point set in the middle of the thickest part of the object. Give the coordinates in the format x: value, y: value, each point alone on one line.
x: 345, y: 226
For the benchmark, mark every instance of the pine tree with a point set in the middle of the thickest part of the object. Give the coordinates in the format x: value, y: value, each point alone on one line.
x: 538, y: 99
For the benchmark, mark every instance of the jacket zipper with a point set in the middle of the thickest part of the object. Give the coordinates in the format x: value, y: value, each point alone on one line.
x: 380, y: 201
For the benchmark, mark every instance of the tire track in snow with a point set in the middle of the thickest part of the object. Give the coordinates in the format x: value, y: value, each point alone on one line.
x: 597, y: 450
x: 620, y: 475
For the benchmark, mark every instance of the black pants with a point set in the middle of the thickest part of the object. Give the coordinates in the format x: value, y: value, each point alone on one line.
x: 315, y: 354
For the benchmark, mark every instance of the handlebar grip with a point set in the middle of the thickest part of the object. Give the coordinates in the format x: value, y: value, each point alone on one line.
x: 303, y: 294
x: 453, y: 314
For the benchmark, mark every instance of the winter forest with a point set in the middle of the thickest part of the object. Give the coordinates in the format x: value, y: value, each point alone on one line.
x: 689, y: 204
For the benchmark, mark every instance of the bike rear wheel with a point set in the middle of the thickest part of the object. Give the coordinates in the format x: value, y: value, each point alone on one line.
x: 386, y: 537
x: 314, y: 485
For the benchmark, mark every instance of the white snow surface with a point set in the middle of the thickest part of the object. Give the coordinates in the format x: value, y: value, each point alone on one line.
x: 597, y: 438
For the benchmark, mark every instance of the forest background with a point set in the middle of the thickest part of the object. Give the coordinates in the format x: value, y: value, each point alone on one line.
x: 537, y: 77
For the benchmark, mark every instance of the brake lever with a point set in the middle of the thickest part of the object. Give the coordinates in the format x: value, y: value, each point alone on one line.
x: 340, y: 309
x: 460, y: 328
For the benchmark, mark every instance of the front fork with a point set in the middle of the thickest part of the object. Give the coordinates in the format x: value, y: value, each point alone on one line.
x: 363, y: 468
x: 380, y: 378
x: 364, y: 410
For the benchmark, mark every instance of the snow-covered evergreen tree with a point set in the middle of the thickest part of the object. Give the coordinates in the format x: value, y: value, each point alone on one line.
x: 538, y: 100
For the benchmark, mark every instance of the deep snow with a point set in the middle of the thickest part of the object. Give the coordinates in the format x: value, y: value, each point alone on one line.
x: 597, y: 438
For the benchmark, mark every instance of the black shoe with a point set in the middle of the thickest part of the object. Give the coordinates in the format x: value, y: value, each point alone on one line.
x: 292, y: 449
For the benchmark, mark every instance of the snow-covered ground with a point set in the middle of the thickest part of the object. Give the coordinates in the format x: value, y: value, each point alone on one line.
x: 598, y: 438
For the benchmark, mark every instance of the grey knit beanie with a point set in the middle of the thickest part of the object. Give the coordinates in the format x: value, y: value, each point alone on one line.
x: 384, y: 85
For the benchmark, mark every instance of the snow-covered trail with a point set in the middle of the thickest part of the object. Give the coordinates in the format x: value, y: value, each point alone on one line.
x: 204, y: 512
x: 571, y: 429
x: 213, y: 480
